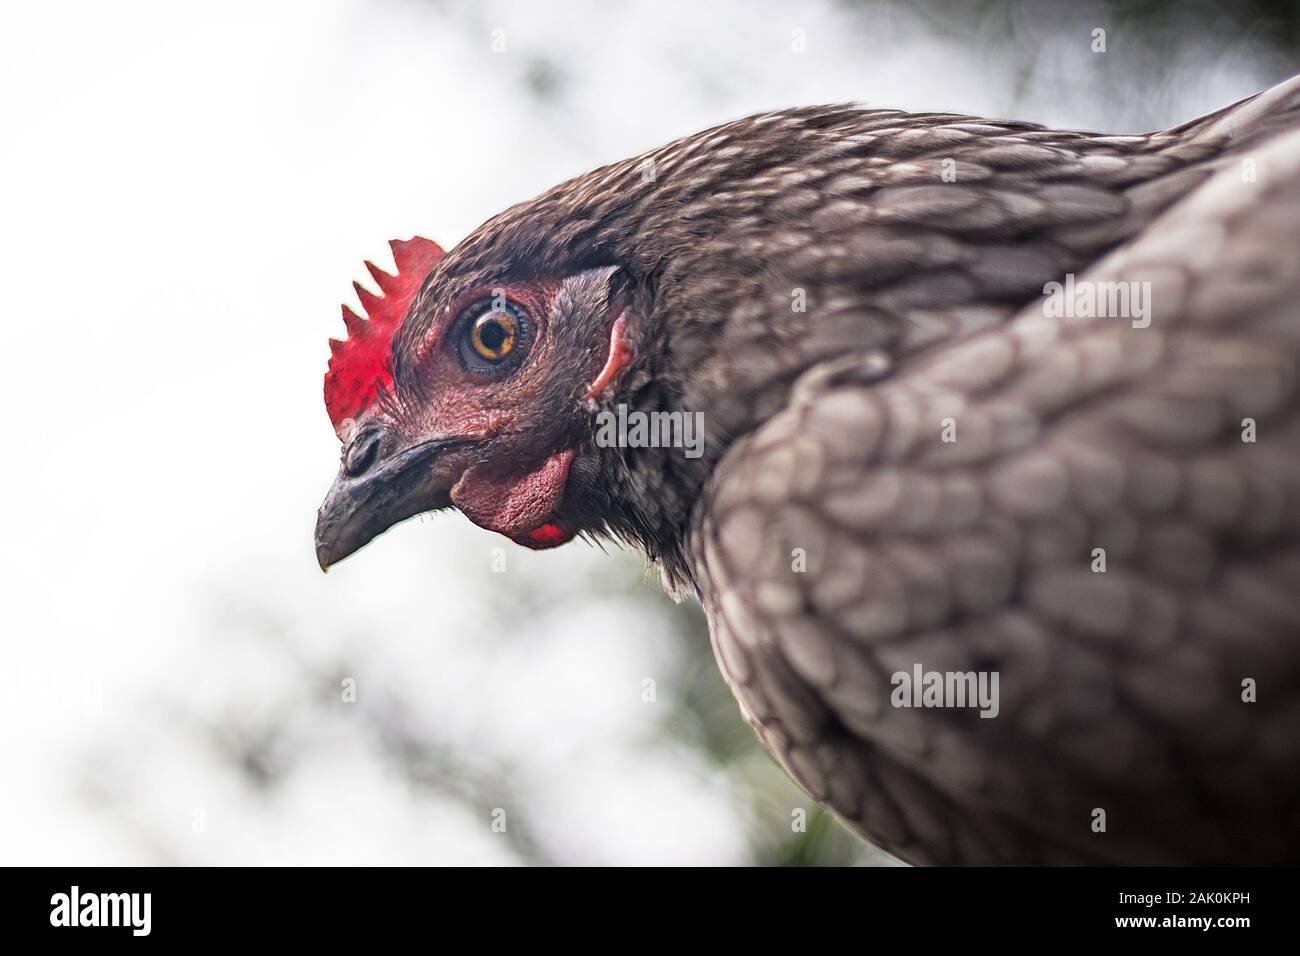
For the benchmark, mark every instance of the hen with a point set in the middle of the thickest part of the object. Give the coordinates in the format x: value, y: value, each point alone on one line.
x: 995, y: 503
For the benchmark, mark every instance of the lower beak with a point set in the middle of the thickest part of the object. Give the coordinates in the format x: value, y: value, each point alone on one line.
x: 359, y: 509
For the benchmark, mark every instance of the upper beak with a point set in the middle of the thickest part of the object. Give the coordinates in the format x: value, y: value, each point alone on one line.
x: 359, y: 508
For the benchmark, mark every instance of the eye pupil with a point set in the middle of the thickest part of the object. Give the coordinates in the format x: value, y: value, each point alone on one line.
x: 493, y: 334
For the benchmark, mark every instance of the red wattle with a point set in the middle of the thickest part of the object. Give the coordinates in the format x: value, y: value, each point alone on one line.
x: 549, y: 535
x: 516, y: 505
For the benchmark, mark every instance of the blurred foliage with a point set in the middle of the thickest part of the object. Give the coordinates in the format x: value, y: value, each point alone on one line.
x: 1274, y: 23
x: 1153, y: 47
x: 261, y: 734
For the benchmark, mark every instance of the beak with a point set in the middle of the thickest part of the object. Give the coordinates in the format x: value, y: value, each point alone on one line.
x: 359, y: 508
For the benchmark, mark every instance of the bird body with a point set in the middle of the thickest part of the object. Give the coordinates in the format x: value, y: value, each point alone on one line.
x: 996, y: 516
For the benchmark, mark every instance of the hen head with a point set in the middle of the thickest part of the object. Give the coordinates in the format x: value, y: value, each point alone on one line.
x: 474, y: 394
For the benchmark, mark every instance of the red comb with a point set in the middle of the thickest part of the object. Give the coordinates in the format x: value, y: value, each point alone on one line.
x: 360, y: 366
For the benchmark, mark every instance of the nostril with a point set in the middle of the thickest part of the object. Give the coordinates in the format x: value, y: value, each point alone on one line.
x: 361, y: 455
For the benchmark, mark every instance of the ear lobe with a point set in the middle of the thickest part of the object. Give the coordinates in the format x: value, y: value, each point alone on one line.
x: 517, y: 506
x: 619, y: 357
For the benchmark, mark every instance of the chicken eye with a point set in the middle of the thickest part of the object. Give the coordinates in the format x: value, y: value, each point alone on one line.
x: 493, y: 332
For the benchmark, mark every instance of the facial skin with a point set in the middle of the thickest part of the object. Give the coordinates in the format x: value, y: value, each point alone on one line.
x: 486, y: 413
